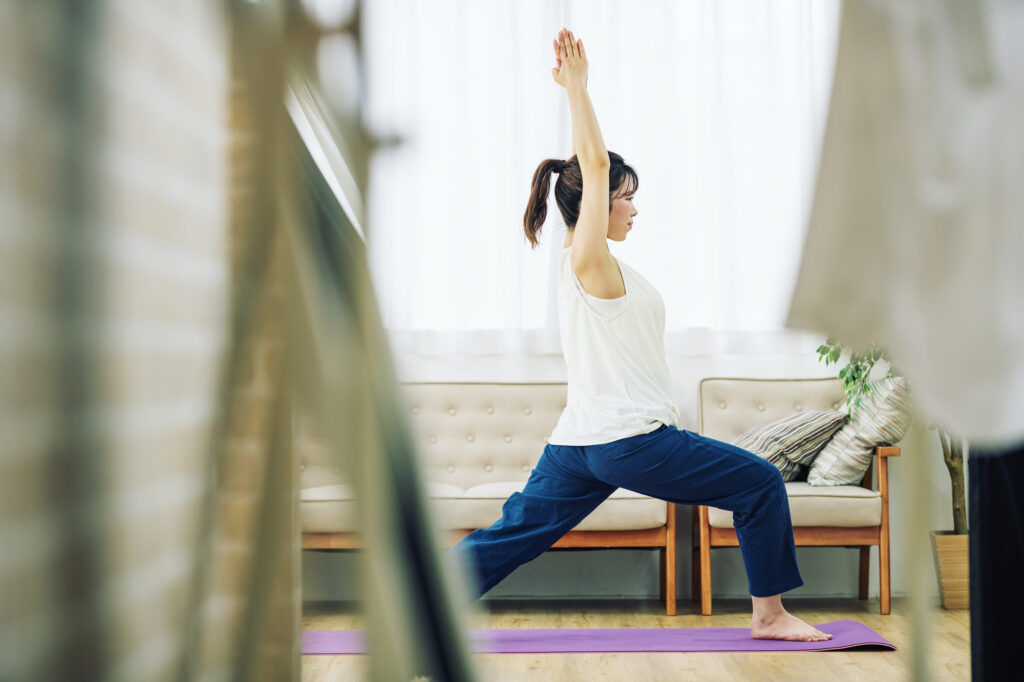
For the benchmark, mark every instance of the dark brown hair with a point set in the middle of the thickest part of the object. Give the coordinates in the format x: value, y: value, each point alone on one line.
x: 569, y: 191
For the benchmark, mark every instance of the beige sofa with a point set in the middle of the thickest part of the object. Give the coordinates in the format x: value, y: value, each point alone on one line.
x: 822, y: 515
x: 478, y: 443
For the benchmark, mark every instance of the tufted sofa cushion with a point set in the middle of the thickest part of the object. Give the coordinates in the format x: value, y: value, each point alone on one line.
x: 729, y: 407
x: 470, y: 434
x: 477, y: 444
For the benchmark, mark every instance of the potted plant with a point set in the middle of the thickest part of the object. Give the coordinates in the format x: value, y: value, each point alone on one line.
x: 949, y: 547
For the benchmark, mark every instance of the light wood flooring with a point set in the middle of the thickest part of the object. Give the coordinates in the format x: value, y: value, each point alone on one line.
x: 949, y: 642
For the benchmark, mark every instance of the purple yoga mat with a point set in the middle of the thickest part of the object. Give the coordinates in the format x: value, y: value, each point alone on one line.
x: 846, y: 634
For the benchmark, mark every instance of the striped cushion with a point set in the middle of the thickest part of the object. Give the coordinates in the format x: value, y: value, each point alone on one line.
x: 883, y: 417
x: 793, y: 440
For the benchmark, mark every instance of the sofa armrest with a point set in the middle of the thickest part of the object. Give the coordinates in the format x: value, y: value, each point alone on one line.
x: 887, y: 451
x: 884, y: 452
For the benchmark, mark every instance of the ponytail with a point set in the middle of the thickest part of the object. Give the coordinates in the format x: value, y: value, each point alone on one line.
x: 537, y: 207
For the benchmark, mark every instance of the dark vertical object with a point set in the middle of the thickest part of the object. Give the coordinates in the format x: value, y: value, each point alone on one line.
x: 997, y: 562
x: 334, y: 248
x: 78, y: 458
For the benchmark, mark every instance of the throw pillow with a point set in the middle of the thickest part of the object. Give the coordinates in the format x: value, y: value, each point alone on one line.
x: 883, y: 417
x: 793, y: 440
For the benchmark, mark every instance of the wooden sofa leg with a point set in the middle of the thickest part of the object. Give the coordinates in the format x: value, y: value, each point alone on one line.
x: 670, y: 579
x: 668, y: 562
x: 694, y: 553
x: 695, y: 574
x: 667, y: 579
x: 883, y: 534
x: 662, y: 576
x: 883, y: 572
x: 865, y: 565
x: 705, y: 563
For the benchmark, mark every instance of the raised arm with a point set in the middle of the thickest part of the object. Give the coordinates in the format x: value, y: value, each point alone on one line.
x: 571, y: 74
x: 558, y: 65
x: 590, y: 248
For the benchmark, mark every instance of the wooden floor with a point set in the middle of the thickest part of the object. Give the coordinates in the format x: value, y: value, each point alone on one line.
x: 950, y: 643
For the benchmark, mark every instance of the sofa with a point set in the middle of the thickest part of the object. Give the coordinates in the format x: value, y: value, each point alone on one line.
x: 477, y: 444
x: 842, y: 515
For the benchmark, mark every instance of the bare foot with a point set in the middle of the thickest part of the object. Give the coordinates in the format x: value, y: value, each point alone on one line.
x: 784, y: 625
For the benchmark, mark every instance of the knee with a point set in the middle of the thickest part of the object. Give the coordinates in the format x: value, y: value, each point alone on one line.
x: 767, y: 495
x: 771, y: 478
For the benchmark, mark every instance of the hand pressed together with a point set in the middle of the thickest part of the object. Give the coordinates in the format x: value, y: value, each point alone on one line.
x: 570, y: 60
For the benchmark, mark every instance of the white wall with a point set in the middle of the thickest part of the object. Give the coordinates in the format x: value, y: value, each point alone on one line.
x: 826, y: 571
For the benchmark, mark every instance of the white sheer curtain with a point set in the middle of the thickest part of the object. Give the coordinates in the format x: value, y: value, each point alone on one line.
x: 718, y: 105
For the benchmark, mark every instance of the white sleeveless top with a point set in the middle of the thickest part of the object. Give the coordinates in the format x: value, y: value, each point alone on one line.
x: 619, y: 383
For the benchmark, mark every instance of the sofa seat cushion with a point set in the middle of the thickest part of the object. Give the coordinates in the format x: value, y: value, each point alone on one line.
x: 331, y: 508
x: 844, y: 506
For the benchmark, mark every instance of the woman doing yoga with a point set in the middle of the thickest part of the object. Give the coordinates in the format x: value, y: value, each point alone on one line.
x: 619, y: 427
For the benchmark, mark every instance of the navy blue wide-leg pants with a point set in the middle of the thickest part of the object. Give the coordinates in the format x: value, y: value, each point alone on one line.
x: 669, y: 463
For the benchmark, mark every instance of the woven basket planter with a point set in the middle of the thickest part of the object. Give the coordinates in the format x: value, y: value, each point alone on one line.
x: 951, y: 567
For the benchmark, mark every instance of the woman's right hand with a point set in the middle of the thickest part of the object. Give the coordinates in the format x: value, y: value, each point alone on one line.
x: 571, y: 60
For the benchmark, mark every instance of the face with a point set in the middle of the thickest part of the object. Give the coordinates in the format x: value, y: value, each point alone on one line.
x: 620, y: 220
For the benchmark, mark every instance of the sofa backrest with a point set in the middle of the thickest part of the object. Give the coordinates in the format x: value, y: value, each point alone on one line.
x: 465, y: 434
x: 468, y: 434
x: 729, y: 407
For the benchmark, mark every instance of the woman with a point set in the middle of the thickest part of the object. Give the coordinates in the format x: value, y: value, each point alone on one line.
x: 618, y: 428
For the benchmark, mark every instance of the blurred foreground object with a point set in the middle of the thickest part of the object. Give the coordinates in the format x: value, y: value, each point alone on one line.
x: 136, y: 440
x: 157, y: 212
x: 313, y: 159
x: 916, y: 235
x: 916, y: 242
